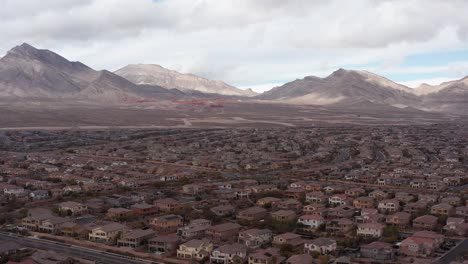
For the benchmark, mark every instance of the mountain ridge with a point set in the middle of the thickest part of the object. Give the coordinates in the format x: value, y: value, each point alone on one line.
x: 40, y: 74
x: 154, y: 74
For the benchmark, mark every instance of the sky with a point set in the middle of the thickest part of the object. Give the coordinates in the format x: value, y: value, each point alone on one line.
x: 255, y: 44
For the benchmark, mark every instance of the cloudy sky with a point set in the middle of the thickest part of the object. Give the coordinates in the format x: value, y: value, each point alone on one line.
x: 250, y: 43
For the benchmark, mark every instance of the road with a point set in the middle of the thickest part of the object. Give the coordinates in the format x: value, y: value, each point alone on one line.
x: 72, y: 250
x: 454, y: 253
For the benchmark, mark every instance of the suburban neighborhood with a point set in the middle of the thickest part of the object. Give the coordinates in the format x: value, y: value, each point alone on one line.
x: 257, y: 196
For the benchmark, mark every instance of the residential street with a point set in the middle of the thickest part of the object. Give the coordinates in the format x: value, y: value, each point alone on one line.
x: 73, y: 251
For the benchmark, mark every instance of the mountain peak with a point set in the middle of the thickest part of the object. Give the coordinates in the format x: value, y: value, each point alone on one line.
x: 23, y: 49
x: 339, y: 72
x: 27, y: 53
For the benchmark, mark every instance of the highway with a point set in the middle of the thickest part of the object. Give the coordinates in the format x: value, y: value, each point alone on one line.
x: 72, y: 250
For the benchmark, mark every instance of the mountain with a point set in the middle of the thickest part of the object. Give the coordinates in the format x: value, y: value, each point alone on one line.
x: 343, y: 86
x: 30, y: 73
x: 152, y: 74
x: 450, y: 97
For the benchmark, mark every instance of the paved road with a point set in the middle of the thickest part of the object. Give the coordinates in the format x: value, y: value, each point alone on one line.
x: 453, y: 254
x: 73, y: 251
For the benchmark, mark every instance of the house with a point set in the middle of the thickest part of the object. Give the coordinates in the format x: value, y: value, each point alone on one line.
x: 369, y: 215
x: 416, y: 207
x: 363, y: 202
x: 389, y: 205
x: 338, y: 199
x: 295, y: 193
x: 421, y: 244
x: 227, y: 254
x: 290, y: 204
x: 378, y: 195
x: 316, y: 197
x: 167, y: 205
x: 283, y: 215
x: 288, y: 238
x: 195, y: 249
x: 310, y: 222
x: 39, y: 195
x: 73, y: 208
x: 107, y: 232
x: 223, y: 210
x: 266, y: 256
x: 35, y: 217
x: 452, y: 200
x: 462, y: 211
x: 456, y: 226
x: 315, y: 209
x: 223, y: 232
x: 193, y: 189
x: 404, y: 197
x: 72, y: 229
x: 166, y: 223
x: 52, y: 224
x: 254, y: 238
x: 425, y: 222
x: 119, y: 201
x: 268, y: 201
x: 321, y: 245
x: 377, y: 250
x: 300, y: 259
x: 144, y: 209
x: 342, y: 211
x: 370, y: 230
x: 442, y: 209
x: 225, y: 194
x: 429, y: 198
x: 339, y: 226
x: 164, y: 244
x: 72, y: 189
x: 252, y: 214
x: 13, y: 190
x: 334, y: 189
x: 135, y: 238
x: 195, y: 229
x: 263, y: 188
x: 354, y: 192
x: 118, y: 214
x: 298, y: 184
x: 398, y: 219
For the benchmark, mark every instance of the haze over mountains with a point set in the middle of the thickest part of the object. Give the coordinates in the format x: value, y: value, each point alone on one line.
x: 27, y: 73
x: 153, y: 74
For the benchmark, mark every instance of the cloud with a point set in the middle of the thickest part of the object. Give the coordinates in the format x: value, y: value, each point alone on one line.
x: 240, y: 41
x: 432, y: 81
x: 260, y: 88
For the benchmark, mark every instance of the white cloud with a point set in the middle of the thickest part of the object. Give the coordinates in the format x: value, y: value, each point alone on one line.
x: 260, y: 88
x: 432, y: 81
x: 240, y: 41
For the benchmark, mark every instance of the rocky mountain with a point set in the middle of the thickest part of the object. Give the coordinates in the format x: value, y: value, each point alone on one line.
x: 450, y: 97
x: 343, y: 86
x: 152, y: 74
x: 27, y: 72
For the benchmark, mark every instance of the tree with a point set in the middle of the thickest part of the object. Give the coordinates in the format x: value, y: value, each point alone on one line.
x: 390, y: 234
x: 324, y: 259
x: 286, y: 250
